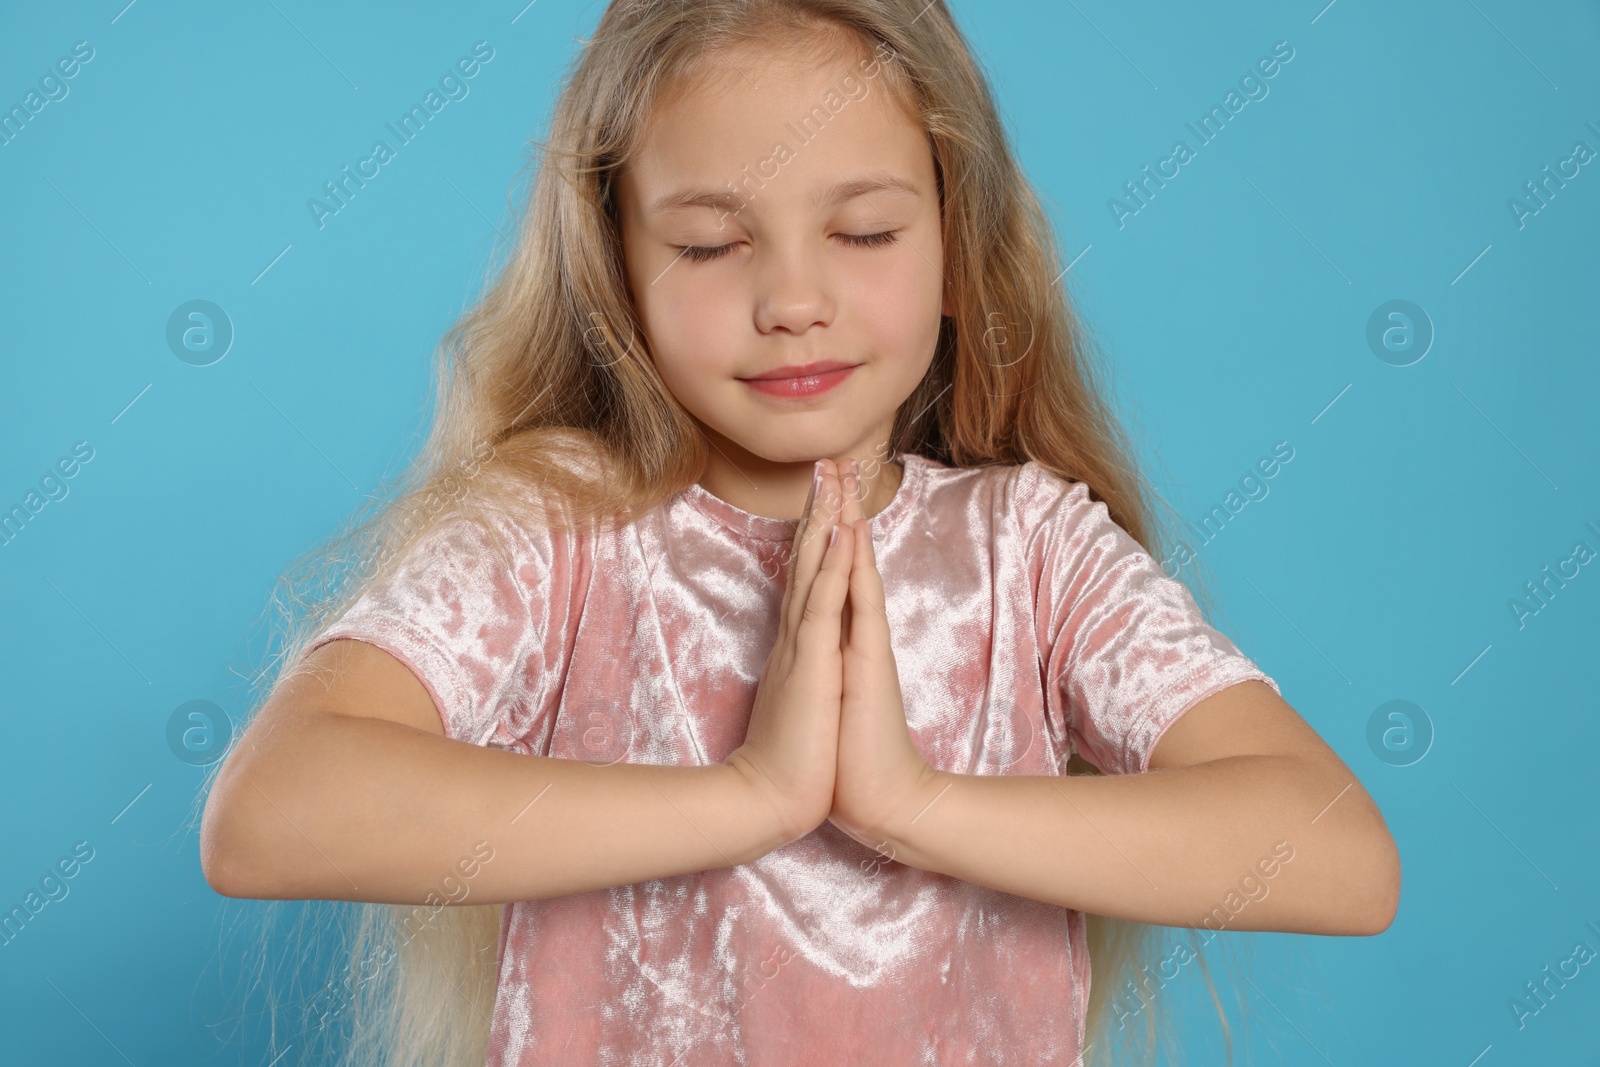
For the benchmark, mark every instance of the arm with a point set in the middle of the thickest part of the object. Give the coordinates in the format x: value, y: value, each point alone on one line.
x: 350, y: 791
x: 1237, y: 783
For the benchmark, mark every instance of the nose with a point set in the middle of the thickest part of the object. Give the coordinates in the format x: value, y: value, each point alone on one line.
x: 793, y: 292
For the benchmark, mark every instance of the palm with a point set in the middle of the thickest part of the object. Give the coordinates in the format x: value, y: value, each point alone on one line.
x: 878, y: 764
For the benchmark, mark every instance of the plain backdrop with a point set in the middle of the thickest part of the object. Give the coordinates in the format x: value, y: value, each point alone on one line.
x: 1384, y: 562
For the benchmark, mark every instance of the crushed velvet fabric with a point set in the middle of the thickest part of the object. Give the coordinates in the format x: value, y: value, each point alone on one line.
x: 1025, y: 625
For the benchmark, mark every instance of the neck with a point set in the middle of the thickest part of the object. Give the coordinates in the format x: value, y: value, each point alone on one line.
x: 778, y: 489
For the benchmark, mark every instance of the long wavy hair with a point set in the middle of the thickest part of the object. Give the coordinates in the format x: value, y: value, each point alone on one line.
x: 547, y: 384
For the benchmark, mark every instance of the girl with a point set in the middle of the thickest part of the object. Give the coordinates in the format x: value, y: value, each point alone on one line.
x: 709, y: 695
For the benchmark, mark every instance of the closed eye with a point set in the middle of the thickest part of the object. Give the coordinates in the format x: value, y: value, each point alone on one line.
x: 865, y: 240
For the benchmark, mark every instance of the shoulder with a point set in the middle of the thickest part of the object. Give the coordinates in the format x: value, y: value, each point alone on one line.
x: 1040, y: 496
x: 1019, y: 510
x: 478, y: 535
x: 1027, y: 496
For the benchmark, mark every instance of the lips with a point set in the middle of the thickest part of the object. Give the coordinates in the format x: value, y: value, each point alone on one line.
x: 800, y: 370
x: 801, y: 380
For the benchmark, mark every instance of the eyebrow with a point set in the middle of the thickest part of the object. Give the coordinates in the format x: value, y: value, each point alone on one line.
x: 732, y: 204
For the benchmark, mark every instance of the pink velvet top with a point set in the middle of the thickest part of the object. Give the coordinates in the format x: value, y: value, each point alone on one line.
x: 1025, y: 624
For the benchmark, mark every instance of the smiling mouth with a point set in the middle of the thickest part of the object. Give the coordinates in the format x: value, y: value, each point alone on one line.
x: 801, y: 380
x: 800, y: 370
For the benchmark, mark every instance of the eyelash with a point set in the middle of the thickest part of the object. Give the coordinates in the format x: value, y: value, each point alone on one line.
x: 865, y: 240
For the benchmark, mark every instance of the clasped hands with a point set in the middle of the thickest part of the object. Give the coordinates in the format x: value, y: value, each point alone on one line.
x: 828, y: 738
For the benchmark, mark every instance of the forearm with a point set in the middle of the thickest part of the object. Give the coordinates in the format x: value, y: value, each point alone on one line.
x: 1179, y: 847
x: 352, y: 808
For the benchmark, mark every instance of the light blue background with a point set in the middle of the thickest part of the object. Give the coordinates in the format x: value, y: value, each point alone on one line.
x: 1234, y: 305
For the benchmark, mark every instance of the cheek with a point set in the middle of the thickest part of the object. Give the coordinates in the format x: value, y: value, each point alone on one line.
x: 908, y: 274
x: 896, y: 300
x: 689, y: 341
x: 692, y: 324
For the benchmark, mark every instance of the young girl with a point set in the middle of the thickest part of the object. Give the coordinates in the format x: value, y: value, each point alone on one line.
x: 708, y: 696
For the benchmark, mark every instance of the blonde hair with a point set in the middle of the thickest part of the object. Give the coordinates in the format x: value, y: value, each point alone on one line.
x: 547, y: 382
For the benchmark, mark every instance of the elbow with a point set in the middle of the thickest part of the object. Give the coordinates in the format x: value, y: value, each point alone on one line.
x: 221, y: 853
x: 217, y: 870
x: 1382, y: 898
x: 217, y: 862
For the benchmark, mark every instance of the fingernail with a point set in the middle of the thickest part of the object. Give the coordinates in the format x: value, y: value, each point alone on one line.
x: 833, y: 535
x: 816, y: 477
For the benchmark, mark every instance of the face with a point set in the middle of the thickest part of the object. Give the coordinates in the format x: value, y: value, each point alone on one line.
x: 820, y: 251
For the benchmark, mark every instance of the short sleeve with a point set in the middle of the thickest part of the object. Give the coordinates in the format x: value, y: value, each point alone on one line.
x: 1125, y: 649
x: 471, y: 629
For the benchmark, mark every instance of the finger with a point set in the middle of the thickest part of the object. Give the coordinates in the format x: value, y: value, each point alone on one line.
x: 854, y: 504
x: 820, y: 622
x: 811, y: 493
x: 813, y: 537
x: 869, y: 620
x: 831, y: 504
x: 800, y: 570
x: 798, y: 540
x: 854, y: 508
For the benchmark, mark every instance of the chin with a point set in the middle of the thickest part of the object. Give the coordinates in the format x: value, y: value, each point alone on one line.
x: 789, y: 448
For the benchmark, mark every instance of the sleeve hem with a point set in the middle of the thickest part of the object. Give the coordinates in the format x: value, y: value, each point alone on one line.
x: 418, y: 656
x: 1169, y: 706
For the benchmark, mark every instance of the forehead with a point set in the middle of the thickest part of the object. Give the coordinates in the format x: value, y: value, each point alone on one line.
x: 781, y: 126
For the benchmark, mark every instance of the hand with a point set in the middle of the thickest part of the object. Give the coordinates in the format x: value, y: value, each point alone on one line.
x: 790, y: 750
x: 880, y: 767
